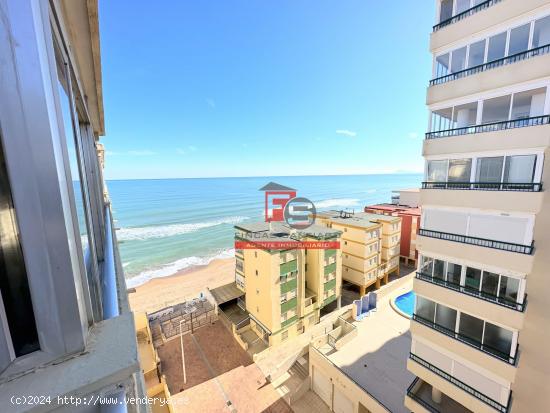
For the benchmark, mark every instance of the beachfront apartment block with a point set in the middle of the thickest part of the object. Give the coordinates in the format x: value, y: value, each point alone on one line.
x: 370, y: 245
x: 286, y: 290
x: 404, y: 205
x: 479, y: 329
x: 66, y: 329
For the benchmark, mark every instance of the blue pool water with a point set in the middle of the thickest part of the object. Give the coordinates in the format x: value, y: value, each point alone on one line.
x: 405, y: 302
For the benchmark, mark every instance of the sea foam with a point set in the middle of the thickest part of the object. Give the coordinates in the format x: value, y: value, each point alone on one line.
x: 174, y: 267
x: 162, y: 231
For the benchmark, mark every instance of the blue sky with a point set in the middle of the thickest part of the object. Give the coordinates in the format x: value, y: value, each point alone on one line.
x: 262, y: 87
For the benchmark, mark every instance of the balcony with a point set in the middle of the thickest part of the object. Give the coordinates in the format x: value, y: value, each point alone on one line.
x: 420, y: 392
x: 330, y: 268
x: 490, y: 127
x: 329, y: 285
x: 486, y: 186
x: 330, y: 253
x: 289, y: 266
x: 446, y: 377
x: 289, y: 305
x: 289, y: 286
x: 465, y: 14
x: 518, y: 57
x: 474, y: 293
x: 508, y: 358
x: 481, y: 242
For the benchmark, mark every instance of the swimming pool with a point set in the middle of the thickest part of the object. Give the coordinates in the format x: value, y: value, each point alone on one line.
x: 405, y: 303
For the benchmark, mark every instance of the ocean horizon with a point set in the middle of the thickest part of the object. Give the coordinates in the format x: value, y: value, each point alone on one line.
x: 168, y: 225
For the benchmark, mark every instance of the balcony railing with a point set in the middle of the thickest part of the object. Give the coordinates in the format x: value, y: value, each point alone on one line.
x: 419, y: 400
x: 518, y: 57
x: 481, y: 242
x: 460, y: 384
x: 485, y: 186
x: 506, y: 357
x: 465, y: 13
x: 491, y: 127
x: 513, y: 305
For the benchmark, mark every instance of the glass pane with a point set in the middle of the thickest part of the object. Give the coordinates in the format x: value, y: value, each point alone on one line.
x: 426, y: 265
x: 520, y: 168
x: 14, y: 284
x: 473, y: 278
x: 528, y: 104
x: 437, y: 171
x: 471, y: 328
x: 442, y: 65
x: 541, y: 33
x: 453, y: 273
x: 519, y: 39
x: 445, y: 317
x: 496, y: 109
x: 490, y: 283
x: 458, y: 60
x: 425, y: 308
x: 477, y: 53
x: 489, y: 169
x: 446, y: 11
x: 459, y: 170
x: 509, y: 288
x: 439, y: 269
x: 441, y: 119
x: 465, y: 115
x: 462, y: 5
x: 498, y: 340
x: 497, y: 47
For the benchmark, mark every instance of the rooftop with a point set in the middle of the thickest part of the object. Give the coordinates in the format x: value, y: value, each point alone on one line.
x: 356, y: 219
x: 396, y: 208
x: 376, y: 359
x: 277, y: 231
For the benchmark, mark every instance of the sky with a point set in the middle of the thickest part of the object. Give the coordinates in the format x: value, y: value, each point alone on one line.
x: 219, y: 88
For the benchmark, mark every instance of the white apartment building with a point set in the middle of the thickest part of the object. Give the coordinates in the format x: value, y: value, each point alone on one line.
x: 65, y: 325
x: 479, y: 330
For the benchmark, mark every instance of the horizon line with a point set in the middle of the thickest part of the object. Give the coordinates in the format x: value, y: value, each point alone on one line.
x: 265, y: 176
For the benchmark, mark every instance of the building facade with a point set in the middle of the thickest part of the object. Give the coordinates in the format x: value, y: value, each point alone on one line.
x: 285, y: 290
x: 370, y: 246
x: 66, y: 329
x: 479, y: 328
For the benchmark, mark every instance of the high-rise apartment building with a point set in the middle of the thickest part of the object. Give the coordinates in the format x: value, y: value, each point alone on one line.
x: 370, y: 245
x: 67, y: 338
x: 286, y: 289
x: 479, y: 332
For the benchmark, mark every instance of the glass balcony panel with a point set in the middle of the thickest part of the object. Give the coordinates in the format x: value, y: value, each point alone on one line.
x: 426, y: 265
x: 471, y: 328
x: 473, y: 278
x: 453, y: 273
x: 490, y: 283
x: 445, y: 317
x: 425, y: 308
x: 458, y: 60
x: 497, y: 339
x: 439, y: 269
x: 476, y: 55
x: 496, y: 109
x: 497, y: 47
x: 461, y: 6
x: 459, y: 170
x: 519, y: 39
x: 437, y: 171
x: 529, y: 103
x: 520, y: 168
x: 442, y: 119
x: 489, y: 169
x: 541, y: 33
x: 442, y: 65
x: 509, y: 288
x: 465, y: 115
x: 446, y: 11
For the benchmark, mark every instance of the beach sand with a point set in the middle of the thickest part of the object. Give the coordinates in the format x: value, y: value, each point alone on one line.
x: 162, y: 292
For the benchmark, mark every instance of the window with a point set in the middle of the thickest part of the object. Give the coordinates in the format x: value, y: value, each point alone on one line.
x: 497, y: 47
x: 437, y: 171
x: 489, y: 169
x: 509, y: 288
x: 490, y: 283
x: 458, y: 60
x: 519, y: 39
x: 473, y: 278
x: 462, y: 5
x: 256, y: 272
x: 541, y: 33
x: 459, y: 170
x: 426, y: 265
x: 446, y: 10
x: 453, y: 273
x: 14, y: 284
x: 497, y: 339
x: 425, y: 308
x: 441, y: 119
x: 439, y: 269
x: 528, y: 104
x: 465, y: 115
x: 442, y: 65
x: 445, y: 317
x: 520, y: 168
x: 496, y: 109
x: 471, y: 328
x: 476, y: 55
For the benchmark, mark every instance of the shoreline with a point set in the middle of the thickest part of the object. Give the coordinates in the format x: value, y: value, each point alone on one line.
x: 161, y: 292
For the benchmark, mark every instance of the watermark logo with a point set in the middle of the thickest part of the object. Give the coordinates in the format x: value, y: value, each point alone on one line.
x: 282, y: 205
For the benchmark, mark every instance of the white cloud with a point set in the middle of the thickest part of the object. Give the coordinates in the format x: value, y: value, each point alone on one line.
x: 413, y: 135
x: 190, y: 148
x: 346, y: 132
x: 211, y: 102
x: 144, y: 152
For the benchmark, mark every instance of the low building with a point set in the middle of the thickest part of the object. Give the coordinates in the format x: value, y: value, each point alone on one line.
x: 370, y: 245
x: 285, y: 290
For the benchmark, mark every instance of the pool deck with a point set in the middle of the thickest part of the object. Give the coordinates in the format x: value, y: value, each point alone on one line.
x: 377, y: 358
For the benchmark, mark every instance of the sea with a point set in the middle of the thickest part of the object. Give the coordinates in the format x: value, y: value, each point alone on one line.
x: 167, y: 225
